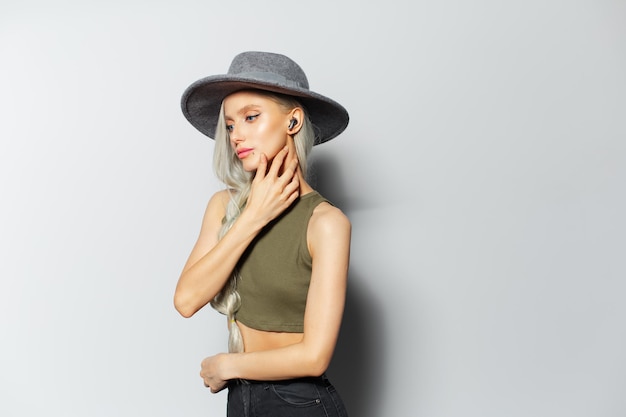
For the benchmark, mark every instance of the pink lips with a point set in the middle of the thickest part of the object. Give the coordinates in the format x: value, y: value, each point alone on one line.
x: 243, y: 152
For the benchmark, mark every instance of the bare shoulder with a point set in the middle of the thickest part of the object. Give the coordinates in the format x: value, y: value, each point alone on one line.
x: 220, y: 198
x: 328, y: 222
x: 327, y: 215
x: 216, y: 208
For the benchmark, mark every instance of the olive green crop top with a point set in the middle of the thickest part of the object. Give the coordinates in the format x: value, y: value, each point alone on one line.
x: 275, y: 271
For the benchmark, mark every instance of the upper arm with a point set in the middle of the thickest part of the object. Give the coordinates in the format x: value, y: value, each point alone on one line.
x: 211, y: 224
x: 329, y: 244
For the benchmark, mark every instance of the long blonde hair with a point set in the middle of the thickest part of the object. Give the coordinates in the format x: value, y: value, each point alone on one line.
x: 229, y: 170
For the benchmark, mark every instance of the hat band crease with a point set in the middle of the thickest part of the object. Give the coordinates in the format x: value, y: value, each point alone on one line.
x: 270, y: 77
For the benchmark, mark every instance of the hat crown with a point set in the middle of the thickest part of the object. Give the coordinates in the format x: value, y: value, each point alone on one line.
x: 265, y: 71
x: 267, y: 66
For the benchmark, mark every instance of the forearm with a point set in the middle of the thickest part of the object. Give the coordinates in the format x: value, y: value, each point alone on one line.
x: 201, y: 281
x: 293, y: 361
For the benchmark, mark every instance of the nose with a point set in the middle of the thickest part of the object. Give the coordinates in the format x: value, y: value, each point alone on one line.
x: 235, y: 135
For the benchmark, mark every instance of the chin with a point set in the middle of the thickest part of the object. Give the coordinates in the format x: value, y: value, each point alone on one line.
x: 250, y: 166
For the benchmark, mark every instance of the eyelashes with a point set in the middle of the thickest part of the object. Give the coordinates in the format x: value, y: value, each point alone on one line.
x: 248, y: 118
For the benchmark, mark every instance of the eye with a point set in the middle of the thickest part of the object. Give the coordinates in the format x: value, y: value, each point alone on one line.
x: 229, y: 127
x: 251, y: 117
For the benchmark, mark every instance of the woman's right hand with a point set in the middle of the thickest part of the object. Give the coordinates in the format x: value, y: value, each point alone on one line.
x: 273, y: 190
x: 212, y: 261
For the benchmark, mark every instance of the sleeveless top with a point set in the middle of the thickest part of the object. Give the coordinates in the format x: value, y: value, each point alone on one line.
x: 275, y: 271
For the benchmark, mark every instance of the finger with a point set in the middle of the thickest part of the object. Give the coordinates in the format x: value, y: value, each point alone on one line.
x: 290, y: 171
x: 218, y: 388
x: 262, y: 168
x: 292, y: 190
x: 295, y: 157
x: 295, y: 164
x: 278, y: 161
x: 293, y: 161
x: 298, y: 170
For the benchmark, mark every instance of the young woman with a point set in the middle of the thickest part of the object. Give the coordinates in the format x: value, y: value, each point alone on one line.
x: 272, y: 253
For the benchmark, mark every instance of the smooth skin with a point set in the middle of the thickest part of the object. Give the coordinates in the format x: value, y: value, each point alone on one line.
x: 259, y: 127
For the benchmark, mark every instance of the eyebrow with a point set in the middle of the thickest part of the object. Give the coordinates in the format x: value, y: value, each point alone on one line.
x: 243, y: 110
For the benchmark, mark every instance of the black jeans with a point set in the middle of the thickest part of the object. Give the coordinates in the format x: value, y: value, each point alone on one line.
x: 301, y: 397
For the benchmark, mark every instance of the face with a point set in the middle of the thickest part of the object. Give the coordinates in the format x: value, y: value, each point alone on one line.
x: 256, y: 125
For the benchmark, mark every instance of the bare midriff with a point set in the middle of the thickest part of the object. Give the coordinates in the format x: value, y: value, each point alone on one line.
x: 256, y: 340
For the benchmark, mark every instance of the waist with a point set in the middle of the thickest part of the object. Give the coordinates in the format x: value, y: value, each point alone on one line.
x: 256, y: 340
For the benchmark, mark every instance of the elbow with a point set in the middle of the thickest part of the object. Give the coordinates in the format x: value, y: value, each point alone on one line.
x: 183, y: 308
x: 318, y: 364
x: 315, y: 357
x: 318, y: 370
x: 185, y: 313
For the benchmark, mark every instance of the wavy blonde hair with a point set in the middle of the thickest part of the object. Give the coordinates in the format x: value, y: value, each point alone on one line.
x: 229, y: 170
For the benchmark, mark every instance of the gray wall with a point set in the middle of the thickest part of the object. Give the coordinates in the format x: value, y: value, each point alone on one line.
x: 483, y: 171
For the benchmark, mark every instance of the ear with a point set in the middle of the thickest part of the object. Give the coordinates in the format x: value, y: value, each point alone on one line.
x: 295, y: 118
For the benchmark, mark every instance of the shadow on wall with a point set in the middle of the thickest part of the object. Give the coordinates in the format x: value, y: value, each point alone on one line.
x: 325, y: 176
x: 358, y: 366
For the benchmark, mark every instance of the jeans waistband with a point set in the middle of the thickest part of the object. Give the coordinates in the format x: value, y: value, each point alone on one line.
x: 322, y: 379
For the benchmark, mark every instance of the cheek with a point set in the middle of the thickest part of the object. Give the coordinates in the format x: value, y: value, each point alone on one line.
x: 272, y: 140
x: 272, y: 151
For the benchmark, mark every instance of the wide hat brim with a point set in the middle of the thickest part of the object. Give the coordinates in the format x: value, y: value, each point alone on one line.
x: 202, y: 100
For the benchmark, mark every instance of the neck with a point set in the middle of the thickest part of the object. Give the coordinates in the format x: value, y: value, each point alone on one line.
x: 305, y: 188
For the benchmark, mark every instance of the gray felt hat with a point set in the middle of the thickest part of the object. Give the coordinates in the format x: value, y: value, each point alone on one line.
x: 267, y: 71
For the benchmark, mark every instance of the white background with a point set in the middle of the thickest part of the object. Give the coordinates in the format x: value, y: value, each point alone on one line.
x: 483, y: 171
